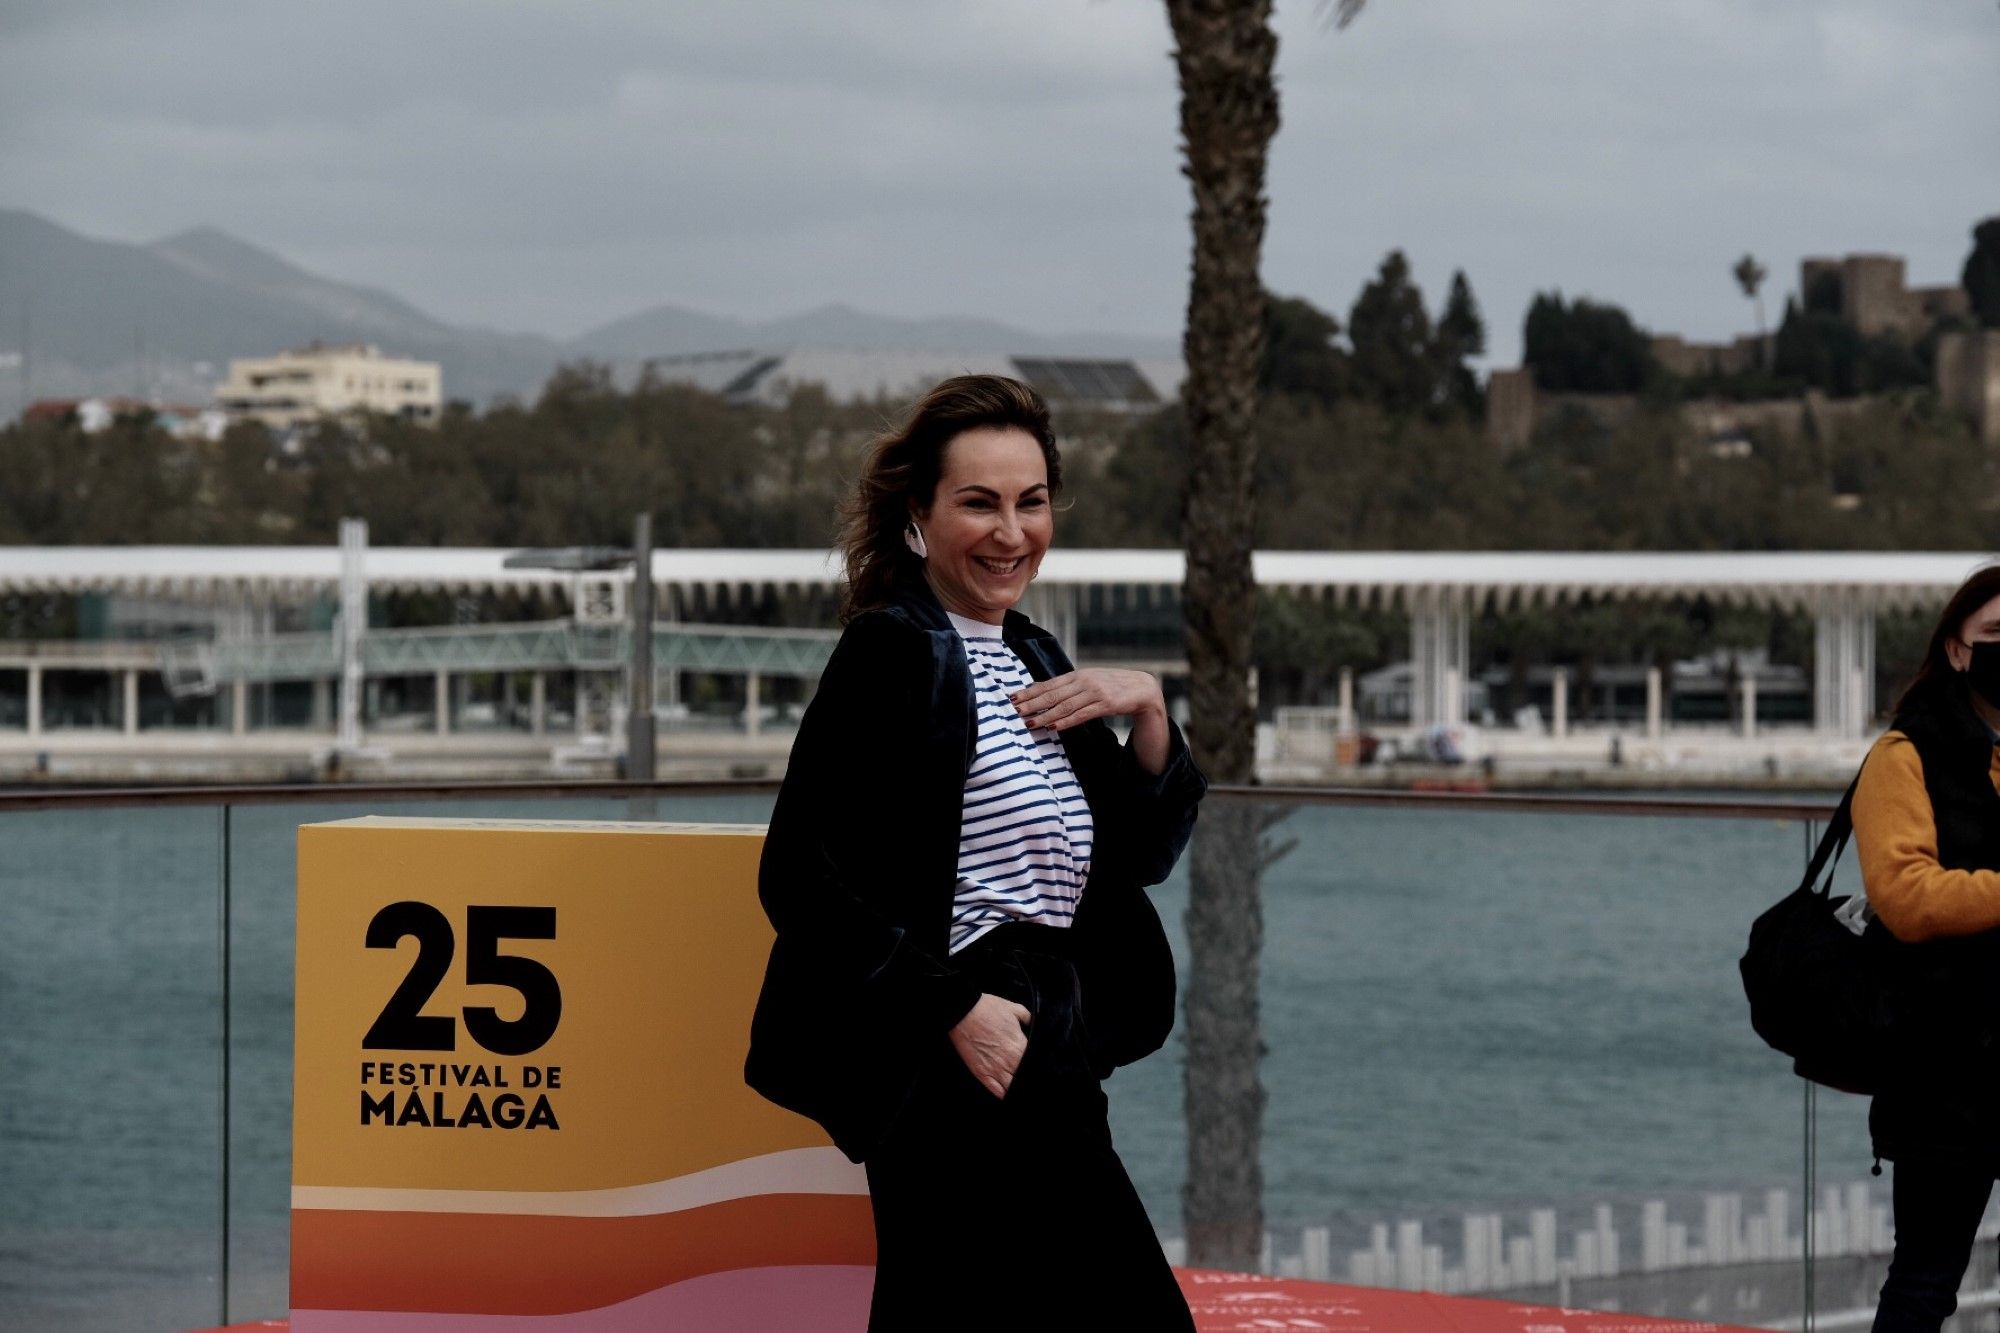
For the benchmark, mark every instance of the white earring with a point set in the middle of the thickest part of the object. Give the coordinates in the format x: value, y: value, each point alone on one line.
x: 914, y: 539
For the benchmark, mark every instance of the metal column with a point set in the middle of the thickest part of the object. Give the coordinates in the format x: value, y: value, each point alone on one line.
x: 1844, y: 666
x: 641, y: 745
x: 1440, y: 648
x: 1054, y: 608
x: 353, y: 623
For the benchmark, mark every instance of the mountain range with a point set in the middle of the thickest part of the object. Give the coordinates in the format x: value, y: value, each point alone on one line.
x: 163, y: 320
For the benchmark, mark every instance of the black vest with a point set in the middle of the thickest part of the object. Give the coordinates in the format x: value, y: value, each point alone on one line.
x: 1944, y: 1107
x: 1957, y: 751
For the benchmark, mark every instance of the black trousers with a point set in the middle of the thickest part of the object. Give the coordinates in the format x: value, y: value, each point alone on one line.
x: 1938, y: 1207
x: 1015, y: 1214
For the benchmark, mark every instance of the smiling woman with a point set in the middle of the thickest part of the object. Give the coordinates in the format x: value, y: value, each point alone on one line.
x: 956, y: 869
x: 984, y: 536
x: 993, y: 436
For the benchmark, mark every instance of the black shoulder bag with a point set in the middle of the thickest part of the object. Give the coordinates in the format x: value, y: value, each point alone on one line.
x: 1818, y: 992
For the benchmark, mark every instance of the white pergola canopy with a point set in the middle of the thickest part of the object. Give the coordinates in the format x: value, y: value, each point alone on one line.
x: 1441, y: 590
x: 1466, y: 580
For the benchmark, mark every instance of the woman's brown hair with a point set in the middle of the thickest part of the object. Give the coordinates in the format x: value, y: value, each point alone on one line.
x: 902, y: 469
x: 1982, y: 587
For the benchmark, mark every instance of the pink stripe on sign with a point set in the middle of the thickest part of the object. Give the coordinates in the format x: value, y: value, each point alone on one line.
x: 828, y: 1298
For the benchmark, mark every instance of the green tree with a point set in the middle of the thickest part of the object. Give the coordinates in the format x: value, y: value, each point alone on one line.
x: 1139, y: 494
x: 1394, y: 357
x: 808, y: 449
x: 1819, y: 350
x: 1302, y: 644
x: 1461, y: 335
x: 1301, y: 356
x: 1749, y: 275
x: 1825, y: 293
x: 1585, y: 347
x: 251, y: 497
x: 1981, y: 275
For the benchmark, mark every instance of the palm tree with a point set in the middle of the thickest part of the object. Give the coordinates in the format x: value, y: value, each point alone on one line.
x: 1750, y: 276
x: 1224, y: 51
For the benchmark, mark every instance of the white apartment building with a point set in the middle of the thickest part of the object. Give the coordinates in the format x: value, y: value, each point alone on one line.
x: 300, y: 386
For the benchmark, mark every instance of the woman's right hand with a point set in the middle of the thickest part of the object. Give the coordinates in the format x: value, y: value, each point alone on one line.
x: 991, y: 1039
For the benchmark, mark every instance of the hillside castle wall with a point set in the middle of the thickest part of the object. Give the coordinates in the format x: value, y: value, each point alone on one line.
x: 1872, y: 296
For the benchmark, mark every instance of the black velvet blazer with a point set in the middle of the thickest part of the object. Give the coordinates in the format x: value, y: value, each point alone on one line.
x: 862, y: 858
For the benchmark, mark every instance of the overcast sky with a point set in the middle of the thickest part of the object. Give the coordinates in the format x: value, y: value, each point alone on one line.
x: 550, y: 165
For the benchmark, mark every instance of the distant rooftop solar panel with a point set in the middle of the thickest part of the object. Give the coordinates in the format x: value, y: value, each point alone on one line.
x: 1074, y: 380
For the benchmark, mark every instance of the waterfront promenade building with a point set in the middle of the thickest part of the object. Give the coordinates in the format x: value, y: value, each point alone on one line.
x: 222, y: 661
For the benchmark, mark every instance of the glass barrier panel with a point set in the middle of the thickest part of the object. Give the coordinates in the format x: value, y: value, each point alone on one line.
x: 111, y: 1035
x: 263, y: 867
x: 1853, y: 1227
x: 1507, y: 1054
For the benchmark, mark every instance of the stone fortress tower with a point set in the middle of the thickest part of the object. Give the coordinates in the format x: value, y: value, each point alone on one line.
x: 1873, y: 297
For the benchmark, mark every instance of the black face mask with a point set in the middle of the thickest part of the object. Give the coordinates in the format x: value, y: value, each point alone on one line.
x: 1983, y: 673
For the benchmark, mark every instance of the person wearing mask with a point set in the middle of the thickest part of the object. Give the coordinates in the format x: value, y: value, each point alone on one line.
x: 956, y: 870
x: 1926, y: 814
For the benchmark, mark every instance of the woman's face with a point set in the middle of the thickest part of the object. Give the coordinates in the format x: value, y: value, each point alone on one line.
x: 989, y: 523
x: 1982, y: 626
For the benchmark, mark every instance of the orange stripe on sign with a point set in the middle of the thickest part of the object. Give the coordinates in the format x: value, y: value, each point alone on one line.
x: 471, y: 1263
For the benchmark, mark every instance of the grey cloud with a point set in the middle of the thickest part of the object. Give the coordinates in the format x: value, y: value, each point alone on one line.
x: 552, y: 165
x: 1631, y: 151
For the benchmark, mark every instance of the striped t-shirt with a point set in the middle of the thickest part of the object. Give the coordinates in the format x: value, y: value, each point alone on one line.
x: 1024, y: 841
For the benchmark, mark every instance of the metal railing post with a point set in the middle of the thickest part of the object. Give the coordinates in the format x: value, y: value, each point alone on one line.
x: 224, y: 913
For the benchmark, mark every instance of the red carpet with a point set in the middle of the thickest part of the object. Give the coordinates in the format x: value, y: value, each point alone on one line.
x: 1245, y: 1303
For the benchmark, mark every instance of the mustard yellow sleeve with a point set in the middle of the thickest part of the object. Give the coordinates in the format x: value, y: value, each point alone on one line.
x: 1895, y: 837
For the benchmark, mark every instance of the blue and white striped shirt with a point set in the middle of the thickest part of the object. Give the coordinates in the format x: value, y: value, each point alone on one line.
x: 1024, y: 842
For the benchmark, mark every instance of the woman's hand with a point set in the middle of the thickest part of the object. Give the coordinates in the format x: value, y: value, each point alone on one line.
x: 1064, y: 701
x: 991, y: 1040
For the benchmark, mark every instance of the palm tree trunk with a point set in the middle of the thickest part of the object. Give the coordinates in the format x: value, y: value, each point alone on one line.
x: 1225, y: 50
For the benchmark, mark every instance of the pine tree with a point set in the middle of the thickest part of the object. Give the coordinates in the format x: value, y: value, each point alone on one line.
x: 1981, y: 277
x: 1461, y: 335
x: 1394, y: 358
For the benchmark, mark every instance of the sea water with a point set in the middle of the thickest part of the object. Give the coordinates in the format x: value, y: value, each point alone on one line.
x: 1462, y: 1010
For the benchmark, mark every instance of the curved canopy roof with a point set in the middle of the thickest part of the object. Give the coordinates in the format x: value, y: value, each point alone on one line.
x: 1794, y: 580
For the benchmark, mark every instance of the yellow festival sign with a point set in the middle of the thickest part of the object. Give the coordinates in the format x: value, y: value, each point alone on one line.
x: 518, y: 1089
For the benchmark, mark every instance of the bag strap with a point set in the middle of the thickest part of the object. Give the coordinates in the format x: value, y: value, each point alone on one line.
x: 1832, y: 842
